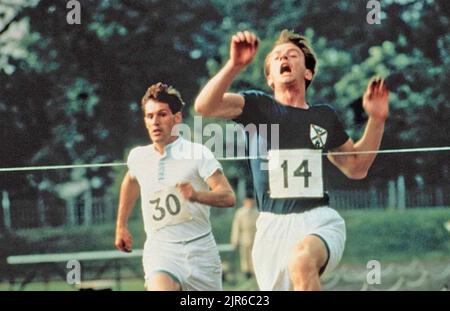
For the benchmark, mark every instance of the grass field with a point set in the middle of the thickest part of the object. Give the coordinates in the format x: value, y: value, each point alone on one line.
x: 384, y: 235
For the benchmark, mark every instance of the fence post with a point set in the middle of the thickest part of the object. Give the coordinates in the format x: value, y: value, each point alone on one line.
x: 392, y: 200
x: 439, y: 197
x: 109, y: 208
x: 401, y: 193
x: 41, y: 211
x: 373, y: 197
x: 241, y: 192
x: 87, y: 207
x: 70, y: 208
x: 6, y: 204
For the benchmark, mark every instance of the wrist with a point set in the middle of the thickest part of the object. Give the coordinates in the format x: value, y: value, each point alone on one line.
x: 233, y: 67
x: 121, y: 226
x: 194, y: 197
x: 377, y: 121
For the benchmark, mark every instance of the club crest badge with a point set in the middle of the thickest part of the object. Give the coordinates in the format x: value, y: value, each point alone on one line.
x: 318, y: 136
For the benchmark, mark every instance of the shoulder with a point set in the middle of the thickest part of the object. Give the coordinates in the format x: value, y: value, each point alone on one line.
x: 324, y: 108
x: 239, y: 212
x: 326, y: 112
x: 139, y: 151
x: 255, y: 95
x: 200, y: 152
x: 197, y: 146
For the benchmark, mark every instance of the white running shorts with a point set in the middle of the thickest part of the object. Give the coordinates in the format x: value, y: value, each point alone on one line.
x: 277, y: 235
x: 195, y: 265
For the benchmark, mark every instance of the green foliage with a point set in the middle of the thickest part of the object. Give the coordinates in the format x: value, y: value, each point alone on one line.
x: 410, y: 47
x: 72, y: 97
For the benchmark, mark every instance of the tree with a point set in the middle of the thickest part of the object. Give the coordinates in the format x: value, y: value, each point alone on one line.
x: 75, y: 96
x: 410, y: 46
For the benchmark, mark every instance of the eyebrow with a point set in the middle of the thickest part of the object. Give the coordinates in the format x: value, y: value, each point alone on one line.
x: 289, y: 50
x: 160, y: 110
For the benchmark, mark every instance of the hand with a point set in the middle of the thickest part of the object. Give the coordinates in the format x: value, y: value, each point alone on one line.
x: 124, y: 240
x: 376, y: 100
x: 243, y: 48
x: 187, y: 191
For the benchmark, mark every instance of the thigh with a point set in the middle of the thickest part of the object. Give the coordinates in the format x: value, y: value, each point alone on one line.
x: 276, y: 237
x: 312, y: 248
x: 164, y: 263
x: 162, y: 281
x: 204, y: 265
x: 328, y: 226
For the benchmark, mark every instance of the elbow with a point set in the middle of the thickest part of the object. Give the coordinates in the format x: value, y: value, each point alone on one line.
x: 200, y: 108
x: 354, y: 169
x: 230, y: 200
x: 205, y: 108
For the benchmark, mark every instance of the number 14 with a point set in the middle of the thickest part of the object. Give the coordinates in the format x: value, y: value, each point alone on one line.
x: 301, y: 171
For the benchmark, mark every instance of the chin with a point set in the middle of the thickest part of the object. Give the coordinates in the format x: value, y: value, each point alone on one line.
x: 286, y: 83
x: 157, y: 139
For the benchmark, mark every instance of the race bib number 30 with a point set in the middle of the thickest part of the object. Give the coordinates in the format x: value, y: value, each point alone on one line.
x: 295, y: 173
x: 168, y: 208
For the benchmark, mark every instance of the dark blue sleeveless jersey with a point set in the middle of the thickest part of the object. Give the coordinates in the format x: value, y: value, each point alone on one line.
x: 317, y: 127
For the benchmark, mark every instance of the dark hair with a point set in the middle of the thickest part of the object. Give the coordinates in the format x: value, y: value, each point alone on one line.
x: 287, y: 36
x: 163, y: 93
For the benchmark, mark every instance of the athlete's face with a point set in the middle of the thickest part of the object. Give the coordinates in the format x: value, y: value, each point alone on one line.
x: 287, y: 66
x: 160, y: 121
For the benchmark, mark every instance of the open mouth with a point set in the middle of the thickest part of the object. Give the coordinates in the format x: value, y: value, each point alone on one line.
x: 285, y: 68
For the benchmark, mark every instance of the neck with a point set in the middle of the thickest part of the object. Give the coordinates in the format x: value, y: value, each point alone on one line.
x: 291, y: 95
x: 161, y: 146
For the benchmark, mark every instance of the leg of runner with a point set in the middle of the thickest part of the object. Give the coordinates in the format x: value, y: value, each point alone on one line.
x: 305, y: 263
x: 161, y: 281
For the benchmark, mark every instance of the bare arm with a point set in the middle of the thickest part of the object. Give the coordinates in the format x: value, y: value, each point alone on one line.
x: 220, y: 195
x: 213, y: 101
x: 376, y: 104
x: 129, y: 192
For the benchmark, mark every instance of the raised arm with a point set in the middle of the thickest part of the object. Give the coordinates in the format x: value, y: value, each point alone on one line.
x: 376, y: 105
x: 129, y: 192
x: 220, y: 195
x: 213, y: 101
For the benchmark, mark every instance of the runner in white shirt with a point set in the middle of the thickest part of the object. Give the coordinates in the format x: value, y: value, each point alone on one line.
x: 178, y: 182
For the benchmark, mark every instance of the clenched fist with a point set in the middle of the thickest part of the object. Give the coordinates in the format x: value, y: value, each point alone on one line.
x: 124, y: 240
x: 187, y: 191
x: 243, y: 48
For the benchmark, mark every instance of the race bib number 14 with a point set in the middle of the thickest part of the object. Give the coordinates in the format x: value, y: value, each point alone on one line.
x: 168, y: 208
x: 295, y: 173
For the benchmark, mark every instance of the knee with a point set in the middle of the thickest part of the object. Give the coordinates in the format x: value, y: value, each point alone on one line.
x: 162, y: 282
x: 302, y: 265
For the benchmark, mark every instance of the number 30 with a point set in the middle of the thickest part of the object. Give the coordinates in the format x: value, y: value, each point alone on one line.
x: 168, y: 207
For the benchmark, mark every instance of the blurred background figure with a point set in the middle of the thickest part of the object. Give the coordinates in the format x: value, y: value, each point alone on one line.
x: 243, y: 233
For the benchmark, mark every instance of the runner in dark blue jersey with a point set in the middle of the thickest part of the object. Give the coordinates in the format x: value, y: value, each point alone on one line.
x: 298, y: 236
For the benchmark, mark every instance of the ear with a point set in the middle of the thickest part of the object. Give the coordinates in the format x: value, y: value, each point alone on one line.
x: 178, y: 117
x: 308, y: 74
x: 269, y: 81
